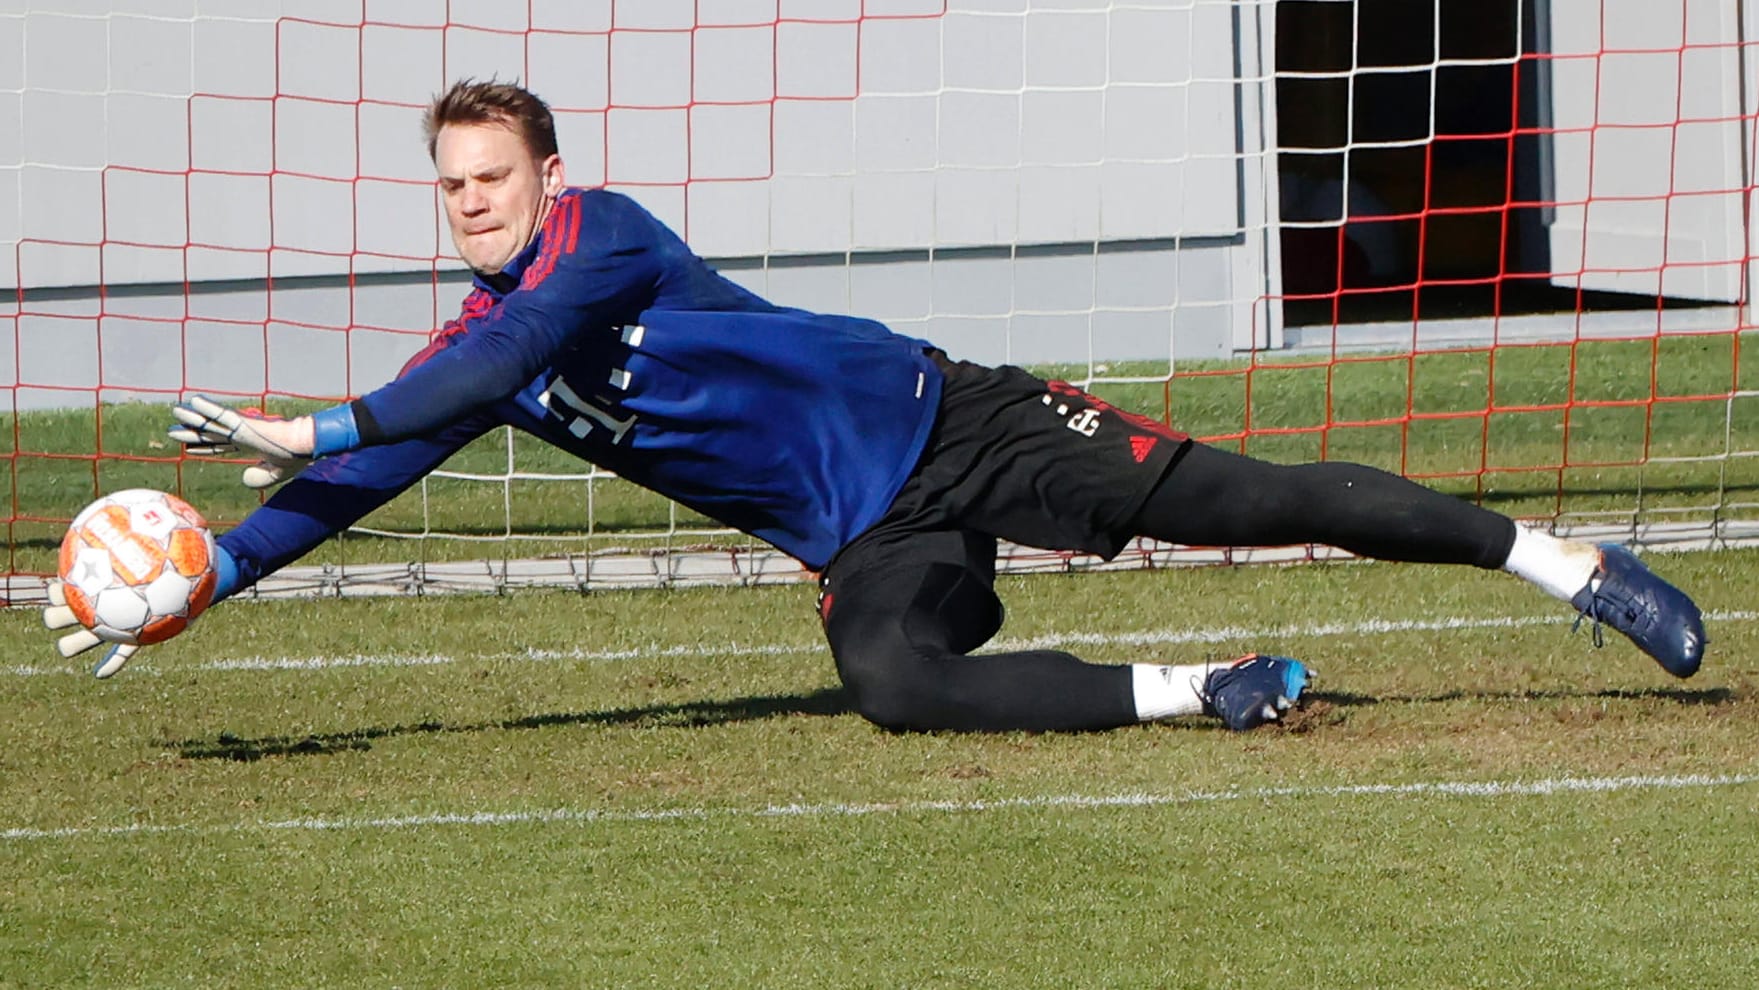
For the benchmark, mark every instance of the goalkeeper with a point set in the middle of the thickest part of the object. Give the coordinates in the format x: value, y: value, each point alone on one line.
x: 871, y: 457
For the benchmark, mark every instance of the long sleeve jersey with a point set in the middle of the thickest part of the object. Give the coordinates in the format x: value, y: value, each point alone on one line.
x: 610, y: 339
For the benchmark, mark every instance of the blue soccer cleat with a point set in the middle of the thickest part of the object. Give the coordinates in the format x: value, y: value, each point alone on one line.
x: 1254, y: 689
x: 1657, y: 616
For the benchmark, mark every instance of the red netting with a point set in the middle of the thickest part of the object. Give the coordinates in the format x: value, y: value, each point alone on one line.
x: 1504, y: 256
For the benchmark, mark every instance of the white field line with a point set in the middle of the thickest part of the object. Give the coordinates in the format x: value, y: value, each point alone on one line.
x: 584, y: 816
x: 1160, y: 637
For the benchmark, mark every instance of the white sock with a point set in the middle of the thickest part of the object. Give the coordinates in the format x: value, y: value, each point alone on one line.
x: 1559, y: 567
x: 1167, y: 691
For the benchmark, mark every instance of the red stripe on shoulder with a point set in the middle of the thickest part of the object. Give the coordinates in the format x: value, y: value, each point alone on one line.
x: 573, y: 226
x: 556, y: 240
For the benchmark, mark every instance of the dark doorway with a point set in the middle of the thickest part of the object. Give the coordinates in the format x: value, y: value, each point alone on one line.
x: 1421, y: 116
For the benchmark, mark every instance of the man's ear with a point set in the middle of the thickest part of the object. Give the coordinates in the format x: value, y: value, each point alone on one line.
x: 551, y: 170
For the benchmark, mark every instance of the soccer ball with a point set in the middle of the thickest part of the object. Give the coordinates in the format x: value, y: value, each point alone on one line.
x: 137, y: 566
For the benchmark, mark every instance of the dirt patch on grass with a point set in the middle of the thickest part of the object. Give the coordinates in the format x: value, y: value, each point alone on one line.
x: 968, y: 771
x: 1312, y: 716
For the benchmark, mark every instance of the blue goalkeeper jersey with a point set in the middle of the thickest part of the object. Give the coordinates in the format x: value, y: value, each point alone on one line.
x: 610, y: 339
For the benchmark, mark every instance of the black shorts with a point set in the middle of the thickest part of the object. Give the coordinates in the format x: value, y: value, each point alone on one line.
x: 1035, y: 462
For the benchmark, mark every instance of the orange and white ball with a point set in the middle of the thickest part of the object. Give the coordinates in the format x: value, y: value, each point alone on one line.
x: 138, y: 566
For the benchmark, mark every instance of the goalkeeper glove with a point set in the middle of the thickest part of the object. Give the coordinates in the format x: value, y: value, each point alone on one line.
x: 56, y: 615
x: 208, y: 429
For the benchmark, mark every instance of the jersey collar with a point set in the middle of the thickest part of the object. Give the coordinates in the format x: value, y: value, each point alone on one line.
x: 507, y: 279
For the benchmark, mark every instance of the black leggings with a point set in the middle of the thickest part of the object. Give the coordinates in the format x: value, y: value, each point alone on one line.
x: 903, y: 609
x: 1215, y: 498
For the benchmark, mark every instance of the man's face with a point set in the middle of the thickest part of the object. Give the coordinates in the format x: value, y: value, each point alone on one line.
x: 496, y: 195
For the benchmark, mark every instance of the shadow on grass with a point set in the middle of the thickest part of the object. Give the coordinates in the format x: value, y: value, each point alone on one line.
x: 226, y: 746
x: 1679, y: 696
x: 829, y: 701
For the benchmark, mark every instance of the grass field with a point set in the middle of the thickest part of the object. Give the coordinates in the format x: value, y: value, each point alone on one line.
x: 665, y: 789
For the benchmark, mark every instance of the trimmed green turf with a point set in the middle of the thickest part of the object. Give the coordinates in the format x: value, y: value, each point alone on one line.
x: 717, y: 816
x: 669, y: 789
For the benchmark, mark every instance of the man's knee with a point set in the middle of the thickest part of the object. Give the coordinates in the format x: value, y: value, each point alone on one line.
x: 884, y: 676
x: 896, y: 707
x: 902, y: 684
x: 897, y: 653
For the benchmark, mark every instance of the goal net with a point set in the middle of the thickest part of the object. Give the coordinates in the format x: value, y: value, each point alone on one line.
x: 1499, y: 246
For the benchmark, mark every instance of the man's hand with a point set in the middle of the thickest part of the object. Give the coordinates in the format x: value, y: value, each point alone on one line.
x: 56, y: 615
x: 208, y: 429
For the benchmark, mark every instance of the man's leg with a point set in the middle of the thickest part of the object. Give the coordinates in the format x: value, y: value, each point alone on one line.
x: 1215, y: 498
x: 901, y: 614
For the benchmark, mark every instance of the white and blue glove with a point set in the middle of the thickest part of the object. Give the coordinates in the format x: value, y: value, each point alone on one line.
x: 207, y: 429
x: 56, y: 615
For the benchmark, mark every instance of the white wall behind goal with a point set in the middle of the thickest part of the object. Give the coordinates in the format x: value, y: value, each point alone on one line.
x: 1023, y: 181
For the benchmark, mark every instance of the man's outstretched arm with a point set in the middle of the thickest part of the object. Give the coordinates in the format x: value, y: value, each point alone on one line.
x: 321, y: 502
